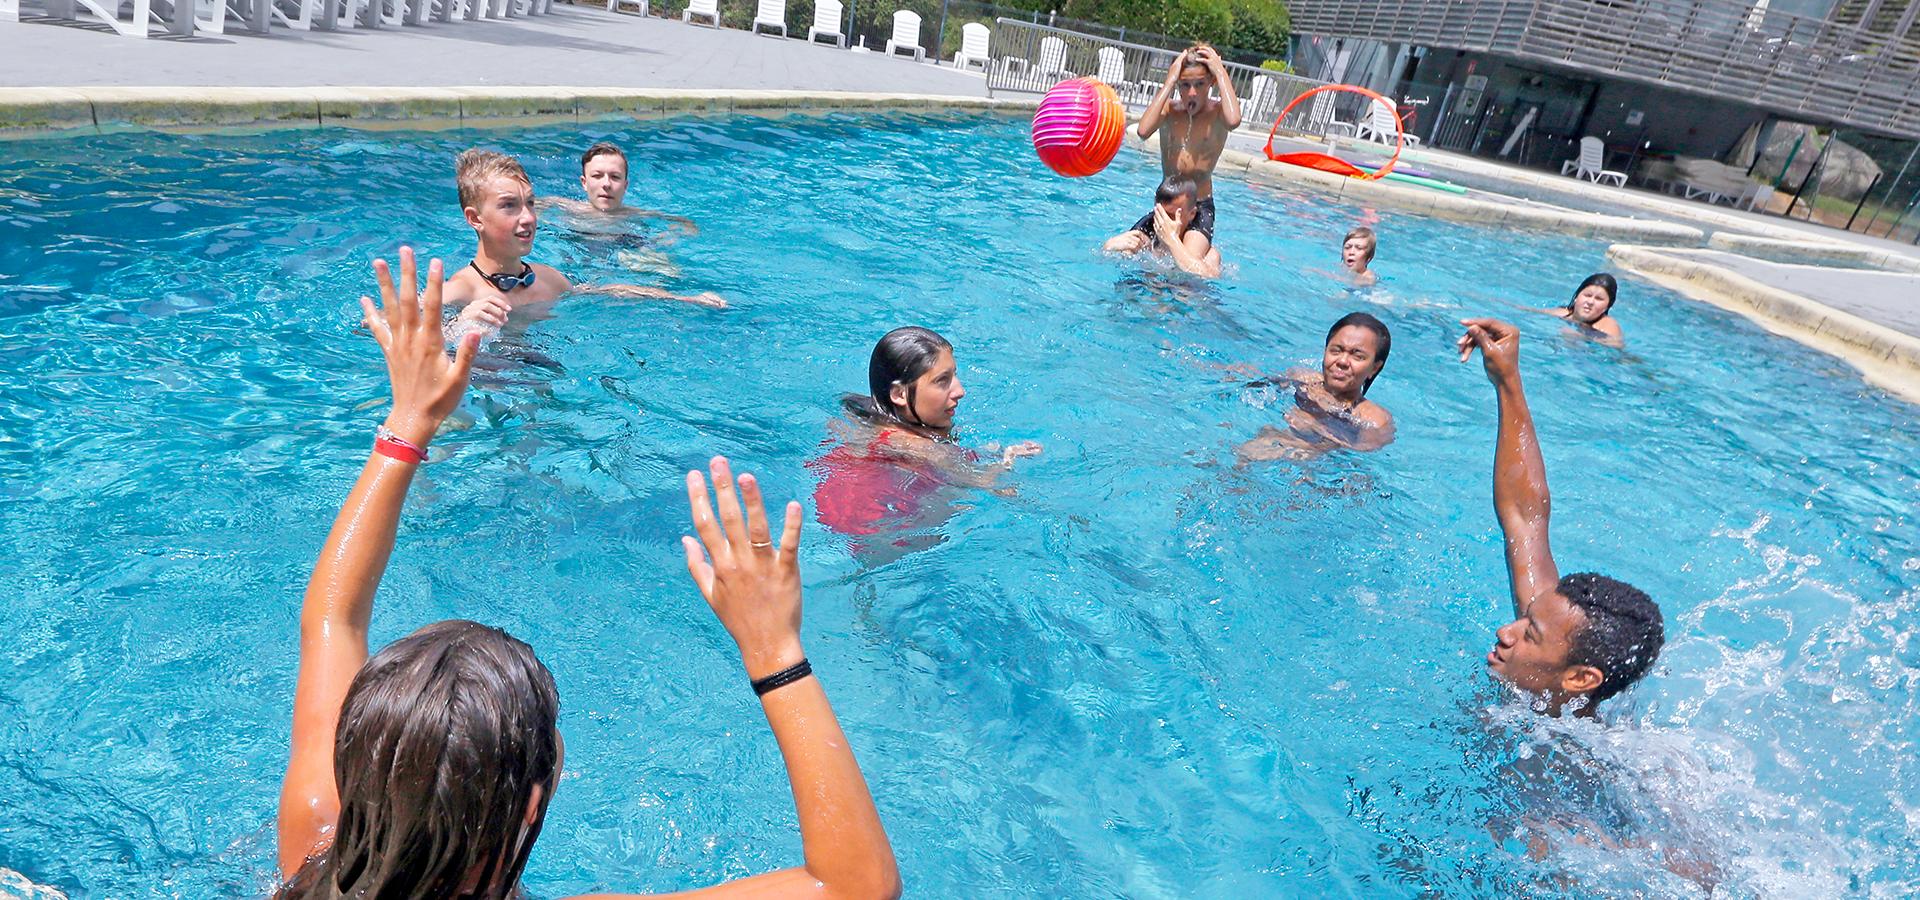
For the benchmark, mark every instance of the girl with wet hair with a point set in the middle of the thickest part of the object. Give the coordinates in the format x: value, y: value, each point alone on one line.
x: 1591, y: 309
x: 1330, y: 407
x: 896, y: 447
x: 424, y: 772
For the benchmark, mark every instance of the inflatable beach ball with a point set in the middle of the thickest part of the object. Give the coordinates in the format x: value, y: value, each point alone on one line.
x: 1078, y: 126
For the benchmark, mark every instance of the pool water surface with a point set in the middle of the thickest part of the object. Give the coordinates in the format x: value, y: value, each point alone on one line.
x: 1145, y: 672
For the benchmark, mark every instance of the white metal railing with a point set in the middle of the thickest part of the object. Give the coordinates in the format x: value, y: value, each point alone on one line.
x: 1028, y: 57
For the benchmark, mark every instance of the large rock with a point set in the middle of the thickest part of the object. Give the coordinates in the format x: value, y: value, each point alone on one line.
x: 1847, y: 173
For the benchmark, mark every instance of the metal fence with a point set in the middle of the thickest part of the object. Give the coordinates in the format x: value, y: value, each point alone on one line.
x: 1729, y: 49
x: 1030, y: 58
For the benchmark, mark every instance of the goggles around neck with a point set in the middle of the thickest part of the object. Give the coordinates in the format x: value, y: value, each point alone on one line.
x: 506, y: 283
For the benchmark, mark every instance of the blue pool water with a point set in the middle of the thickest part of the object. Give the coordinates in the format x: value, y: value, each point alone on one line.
x: 1146, y: 674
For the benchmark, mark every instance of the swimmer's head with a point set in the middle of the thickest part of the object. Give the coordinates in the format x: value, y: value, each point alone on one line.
x: 913, y: 378
x: 1594, y: 298
x: 1356, y: 351
x: 497, y: 197
x: 603, y: 175
x: 1177, y: 195
x: 1356, y: 250
x: 1193, y: 86
x: 446, y: 756
x: 1589, y: 638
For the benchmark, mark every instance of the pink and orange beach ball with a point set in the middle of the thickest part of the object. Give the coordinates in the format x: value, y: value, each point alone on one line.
x: 1078, y: 126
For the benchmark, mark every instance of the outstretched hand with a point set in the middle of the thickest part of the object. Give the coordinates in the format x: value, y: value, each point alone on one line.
x: 752, y: 584
x: 427, y: 384
x: 1499, y: 346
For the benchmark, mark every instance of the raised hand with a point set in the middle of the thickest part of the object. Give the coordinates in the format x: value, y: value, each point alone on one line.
x: 427, y: 384
x: 1164, y: 226
x: 1499, y: 346
x: 752, y: 584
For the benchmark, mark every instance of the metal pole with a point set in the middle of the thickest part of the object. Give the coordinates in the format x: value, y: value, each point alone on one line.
x: 940, y: 34
x: 1894, y: 188
x: 1863, y: 200
x: 1812, y: 173
x: 853, y: 16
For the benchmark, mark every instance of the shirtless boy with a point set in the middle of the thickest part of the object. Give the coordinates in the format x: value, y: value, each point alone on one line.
x: 603, y: 178
x: 1194, y: 133
x: 497, y: 197
x: 1356, y: 254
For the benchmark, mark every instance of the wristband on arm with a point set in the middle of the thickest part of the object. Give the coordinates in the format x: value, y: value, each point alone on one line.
x: 393, y: 446
x: 782, y: 678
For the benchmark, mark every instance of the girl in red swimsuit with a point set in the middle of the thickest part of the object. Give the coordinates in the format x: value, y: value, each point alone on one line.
x: 896, y: 447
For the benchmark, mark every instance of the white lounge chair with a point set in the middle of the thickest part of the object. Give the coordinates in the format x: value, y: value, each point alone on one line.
x: 973, y: 47
x: 1260, y: 97
x: 826, y: 22
x: 147, y: 15
x: 642, y: 7
x: 906, y: 35
x: 1591, y: 164
x: 1111, y: 67
x: 1053, y: 60
x: 702, y: 9
x: 1382, y: 125
x: 770, y: 14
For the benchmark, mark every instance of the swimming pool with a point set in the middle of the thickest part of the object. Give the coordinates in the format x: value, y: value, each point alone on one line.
x: 1148, y: 674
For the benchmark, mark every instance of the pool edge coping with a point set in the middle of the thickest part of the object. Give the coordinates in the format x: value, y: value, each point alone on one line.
x: 1888, y: 358
x: 55, y: 112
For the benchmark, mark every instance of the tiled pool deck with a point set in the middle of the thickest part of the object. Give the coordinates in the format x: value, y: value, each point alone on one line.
x: 500, y: 72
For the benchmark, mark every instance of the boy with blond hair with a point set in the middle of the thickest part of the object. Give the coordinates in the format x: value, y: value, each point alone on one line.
x: 497, y: 197
x: 1356, y: 254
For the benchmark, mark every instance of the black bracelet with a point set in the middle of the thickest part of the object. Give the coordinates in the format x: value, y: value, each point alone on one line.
x: 782, y: 678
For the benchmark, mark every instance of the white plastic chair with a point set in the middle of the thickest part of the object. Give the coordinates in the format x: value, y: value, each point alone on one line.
x: 826, y: 22
x: 1053, y: 59
x: 642, y: 7
x: 702, y: 9
x: 1382, y: 125
x: 771, y: 14
x: 1112, y: 69
x: 147, y: 15
x: 906, y: 35
x: 1591, y: 164
x: 973, y: 47
x: 1259, y: 97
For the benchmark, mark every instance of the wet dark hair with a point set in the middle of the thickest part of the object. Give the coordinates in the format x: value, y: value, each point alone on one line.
x: 1623, y: 633
x: 1605, y: 283
x: 1382, y: 337
x: 901, y: 357
x: 603, y: 148
x: 1176, y: 185
x: 443, y: 737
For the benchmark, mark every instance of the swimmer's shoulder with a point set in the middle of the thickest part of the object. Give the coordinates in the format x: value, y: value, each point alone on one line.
x: 1610, y: 326
x: 545, y: 275
x: 463, y: 286
x: 1373, y: 415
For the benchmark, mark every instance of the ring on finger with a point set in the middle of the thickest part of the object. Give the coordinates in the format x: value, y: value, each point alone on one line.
x: 762, y: 544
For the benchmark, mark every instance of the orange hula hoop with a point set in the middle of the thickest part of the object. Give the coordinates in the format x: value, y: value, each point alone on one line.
x: 1399, y: 130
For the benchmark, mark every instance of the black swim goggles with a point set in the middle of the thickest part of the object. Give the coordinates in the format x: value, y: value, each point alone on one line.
x: 505, y: 283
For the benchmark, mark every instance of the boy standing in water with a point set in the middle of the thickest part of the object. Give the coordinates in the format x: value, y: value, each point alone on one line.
x: 1193, y: 130
x: 1356, y: 254
x: 603, y: 177
x: 1574, y: 640
x: 497, y: 196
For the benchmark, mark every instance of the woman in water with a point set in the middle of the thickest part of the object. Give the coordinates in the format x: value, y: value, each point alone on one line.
x: 1330, y: 407
x: 896, y: 446
x: 1591, y: 309
x: 425, y: 771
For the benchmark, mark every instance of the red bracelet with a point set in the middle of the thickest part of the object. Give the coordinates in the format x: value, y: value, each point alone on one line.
x: 393, y: 446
